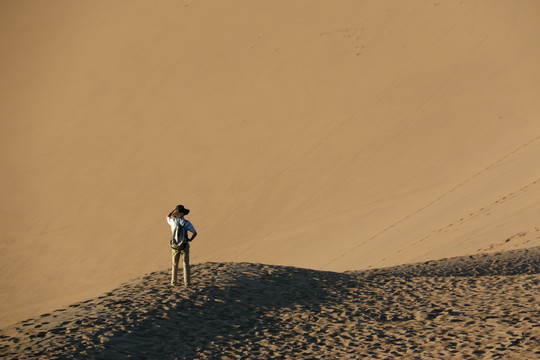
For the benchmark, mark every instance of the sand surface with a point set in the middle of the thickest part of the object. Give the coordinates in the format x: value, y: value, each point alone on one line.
x: 473, y: 307
x: 330, y: 135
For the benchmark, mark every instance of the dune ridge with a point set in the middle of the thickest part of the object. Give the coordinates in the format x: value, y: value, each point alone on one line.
x: 474, y: 307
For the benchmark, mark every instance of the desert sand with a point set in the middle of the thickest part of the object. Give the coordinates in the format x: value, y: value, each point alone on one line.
x: 473, y: 307
x: 323, y: 135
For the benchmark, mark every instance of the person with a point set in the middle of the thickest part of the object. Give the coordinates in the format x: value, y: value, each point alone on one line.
x: 175, y: 218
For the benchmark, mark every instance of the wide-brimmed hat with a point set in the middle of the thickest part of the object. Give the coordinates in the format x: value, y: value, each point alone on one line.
x: 182, y: 209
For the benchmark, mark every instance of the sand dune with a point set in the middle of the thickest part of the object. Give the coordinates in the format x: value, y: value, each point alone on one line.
x: 473, y: 307
x: 331, y: 135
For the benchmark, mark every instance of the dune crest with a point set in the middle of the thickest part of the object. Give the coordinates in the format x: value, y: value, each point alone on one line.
x: 465, y: 307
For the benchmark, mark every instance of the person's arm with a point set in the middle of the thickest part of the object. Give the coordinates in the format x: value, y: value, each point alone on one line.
x: 192, y: 230
x: 168, y: 216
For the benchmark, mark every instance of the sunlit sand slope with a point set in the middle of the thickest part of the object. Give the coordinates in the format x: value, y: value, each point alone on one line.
x: 333, y: 135
x: 482, y: 306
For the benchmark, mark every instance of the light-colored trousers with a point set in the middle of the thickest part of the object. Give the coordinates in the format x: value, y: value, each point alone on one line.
x: 185, y: 262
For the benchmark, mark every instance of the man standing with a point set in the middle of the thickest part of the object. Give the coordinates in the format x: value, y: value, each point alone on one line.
x: 176, y: 220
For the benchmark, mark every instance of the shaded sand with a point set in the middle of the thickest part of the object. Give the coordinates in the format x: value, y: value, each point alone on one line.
x: 484, y: 306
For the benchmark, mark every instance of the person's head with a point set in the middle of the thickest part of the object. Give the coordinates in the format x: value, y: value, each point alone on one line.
x: 180, y: 211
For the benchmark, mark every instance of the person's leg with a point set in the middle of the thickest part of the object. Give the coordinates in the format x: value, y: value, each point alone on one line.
x: 185, y: 263
x: 174, y: 272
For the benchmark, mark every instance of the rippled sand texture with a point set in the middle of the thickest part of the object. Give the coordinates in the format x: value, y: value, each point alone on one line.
x: 468, y: 307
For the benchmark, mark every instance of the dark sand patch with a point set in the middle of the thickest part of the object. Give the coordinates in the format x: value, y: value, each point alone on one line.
x: 485, y: 306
